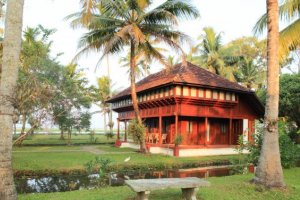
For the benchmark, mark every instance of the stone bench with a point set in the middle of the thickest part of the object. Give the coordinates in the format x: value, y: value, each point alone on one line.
x: 189, y: 186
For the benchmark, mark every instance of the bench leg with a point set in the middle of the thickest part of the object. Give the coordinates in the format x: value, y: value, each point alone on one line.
x: 189, y: 193
x: 143, y: 195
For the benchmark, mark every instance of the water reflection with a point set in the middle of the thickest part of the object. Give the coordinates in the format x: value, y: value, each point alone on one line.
x: 67, y: 183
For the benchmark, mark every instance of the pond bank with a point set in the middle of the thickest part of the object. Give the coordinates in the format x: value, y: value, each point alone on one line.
x: 125, y: 167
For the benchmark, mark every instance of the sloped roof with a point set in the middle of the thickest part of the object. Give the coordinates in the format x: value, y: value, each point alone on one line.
x: 183, y: 74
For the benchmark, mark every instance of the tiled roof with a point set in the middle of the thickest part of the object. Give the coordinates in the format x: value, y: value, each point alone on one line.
x: 184, y: 74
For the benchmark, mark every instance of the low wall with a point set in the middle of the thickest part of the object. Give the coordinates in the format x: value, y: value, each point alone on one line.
x: 183, y: 152
x: 207, y: 152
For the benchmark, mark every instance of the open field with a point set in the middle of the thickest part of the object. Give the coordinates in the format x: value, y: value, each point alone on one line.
x: 224, y: 188
x: 54, y: 139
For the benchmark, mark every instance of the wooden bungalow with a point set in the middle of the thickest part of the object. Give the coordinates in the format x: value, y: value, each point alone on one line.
x: 207, y: 110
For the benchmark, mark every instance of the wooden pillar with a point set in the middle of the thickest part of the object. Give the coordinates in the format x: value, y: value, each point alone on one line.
x: 205, y: 129
x: 160, y: 129
x: 230, y: 131
x: 176, y: 124
x: 118, y: 130
x: 125, y: 136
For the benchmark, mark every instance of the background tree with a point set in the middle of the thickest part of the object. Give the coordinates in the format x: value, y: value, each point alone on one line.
x: 72, y: 99
x: 133, y: 23
x: 33, y: 85
x: 269, y: 170
x: 250, y: 70
x: 9, y: 76
x: 213, y: 56
x: 289, y: 103
x: 101, y: 95
x: 249, y: 74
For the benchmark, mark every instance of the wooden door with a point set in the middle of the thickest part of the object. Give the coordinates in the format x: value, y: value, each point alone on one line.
x: 201, y: 131
x: 219, y: 131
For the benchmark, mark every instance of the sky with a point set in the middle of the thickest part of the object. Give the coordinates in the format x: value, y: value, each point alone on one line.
x: 234, y: 18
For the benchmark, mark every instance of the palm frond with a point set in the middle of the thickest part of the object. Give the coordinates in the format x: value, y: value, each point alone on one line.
x: 289, y: 39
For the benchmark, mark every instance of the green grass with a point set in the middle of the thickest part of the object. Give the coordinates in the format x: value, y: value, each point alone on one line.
x: 64, y: 158
x: 54, y: 139
x: 45, y: 148
x: 222, y: 188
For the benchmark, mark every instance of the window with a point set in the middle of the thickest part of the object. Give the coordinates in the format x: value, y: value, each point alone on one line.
x: 207, y: 93
x: 228, y: 96
x: 166, y: 92
x: 189, y: 127
x: 222, y: 95
x: 233, y: 97
x: 161, y: 94
x: 201, y: 93
x: 185, y: 91
x: 215, y: 94
x: 152, y: 95
x: 156, y: 95
x: 178, y: 90
x: 193, y: 92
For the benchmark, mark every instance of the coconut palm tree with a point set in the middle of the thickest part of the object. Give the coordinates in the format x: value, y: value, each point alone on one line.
x: 213, y: 55
x: 290, y: 35
x: 211, y: 50
x: 102, y: 95
x: 11, y: 53
x: 133, y: 23
x: 249, y: 74
x: 269, y: 170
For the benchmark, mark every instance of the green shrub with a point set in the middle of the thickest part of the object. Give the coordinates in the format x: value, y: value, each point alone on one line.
x: 289, y: 151
x: 178, y: 140
x: 137, y: 131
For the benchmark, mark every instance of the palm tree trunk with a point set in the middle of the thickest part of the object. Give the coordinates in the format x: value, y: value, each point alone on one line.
x: 133, y: 93
x: 269, y: 170
x: 11, y: 57
x: 104, y: 120
x: 110, y: 120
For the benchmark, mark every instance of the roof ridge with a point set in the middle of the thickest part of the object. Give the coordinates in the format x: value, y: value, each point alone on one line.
x: 179, y: 73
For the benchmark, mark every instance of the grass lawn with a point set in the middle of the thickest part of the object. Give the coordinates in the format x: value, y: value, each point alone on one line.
x: 65, y: 158
x: 225, y: 188
x: 54, y: 139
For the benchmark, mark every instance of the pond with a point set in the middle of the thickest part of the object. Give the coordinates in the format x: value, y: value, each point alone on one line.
x: 63, y: 183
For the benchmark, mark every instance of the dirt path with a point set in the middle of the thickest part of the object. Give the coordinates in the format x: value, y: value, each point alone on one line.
x: 93, y: 150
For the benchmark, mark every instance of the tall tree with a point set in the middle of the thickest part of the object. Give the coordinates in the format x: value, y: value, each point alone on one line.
x: 102, y: 94
x: 289, y: 38
x: 213, y: 54
x: 11, y: 53
x: 133, y: 23
x: 250, y: 74
x: 269, y: 170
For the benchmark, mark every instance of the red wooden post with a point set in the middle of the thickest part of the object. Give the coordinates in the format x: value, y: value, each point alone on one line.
x: 118, y: 131
x: 125, y: 136
x: 160, y: 129
x: 176, y: 125
x: 205, y: 129
x: 230, y: 131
